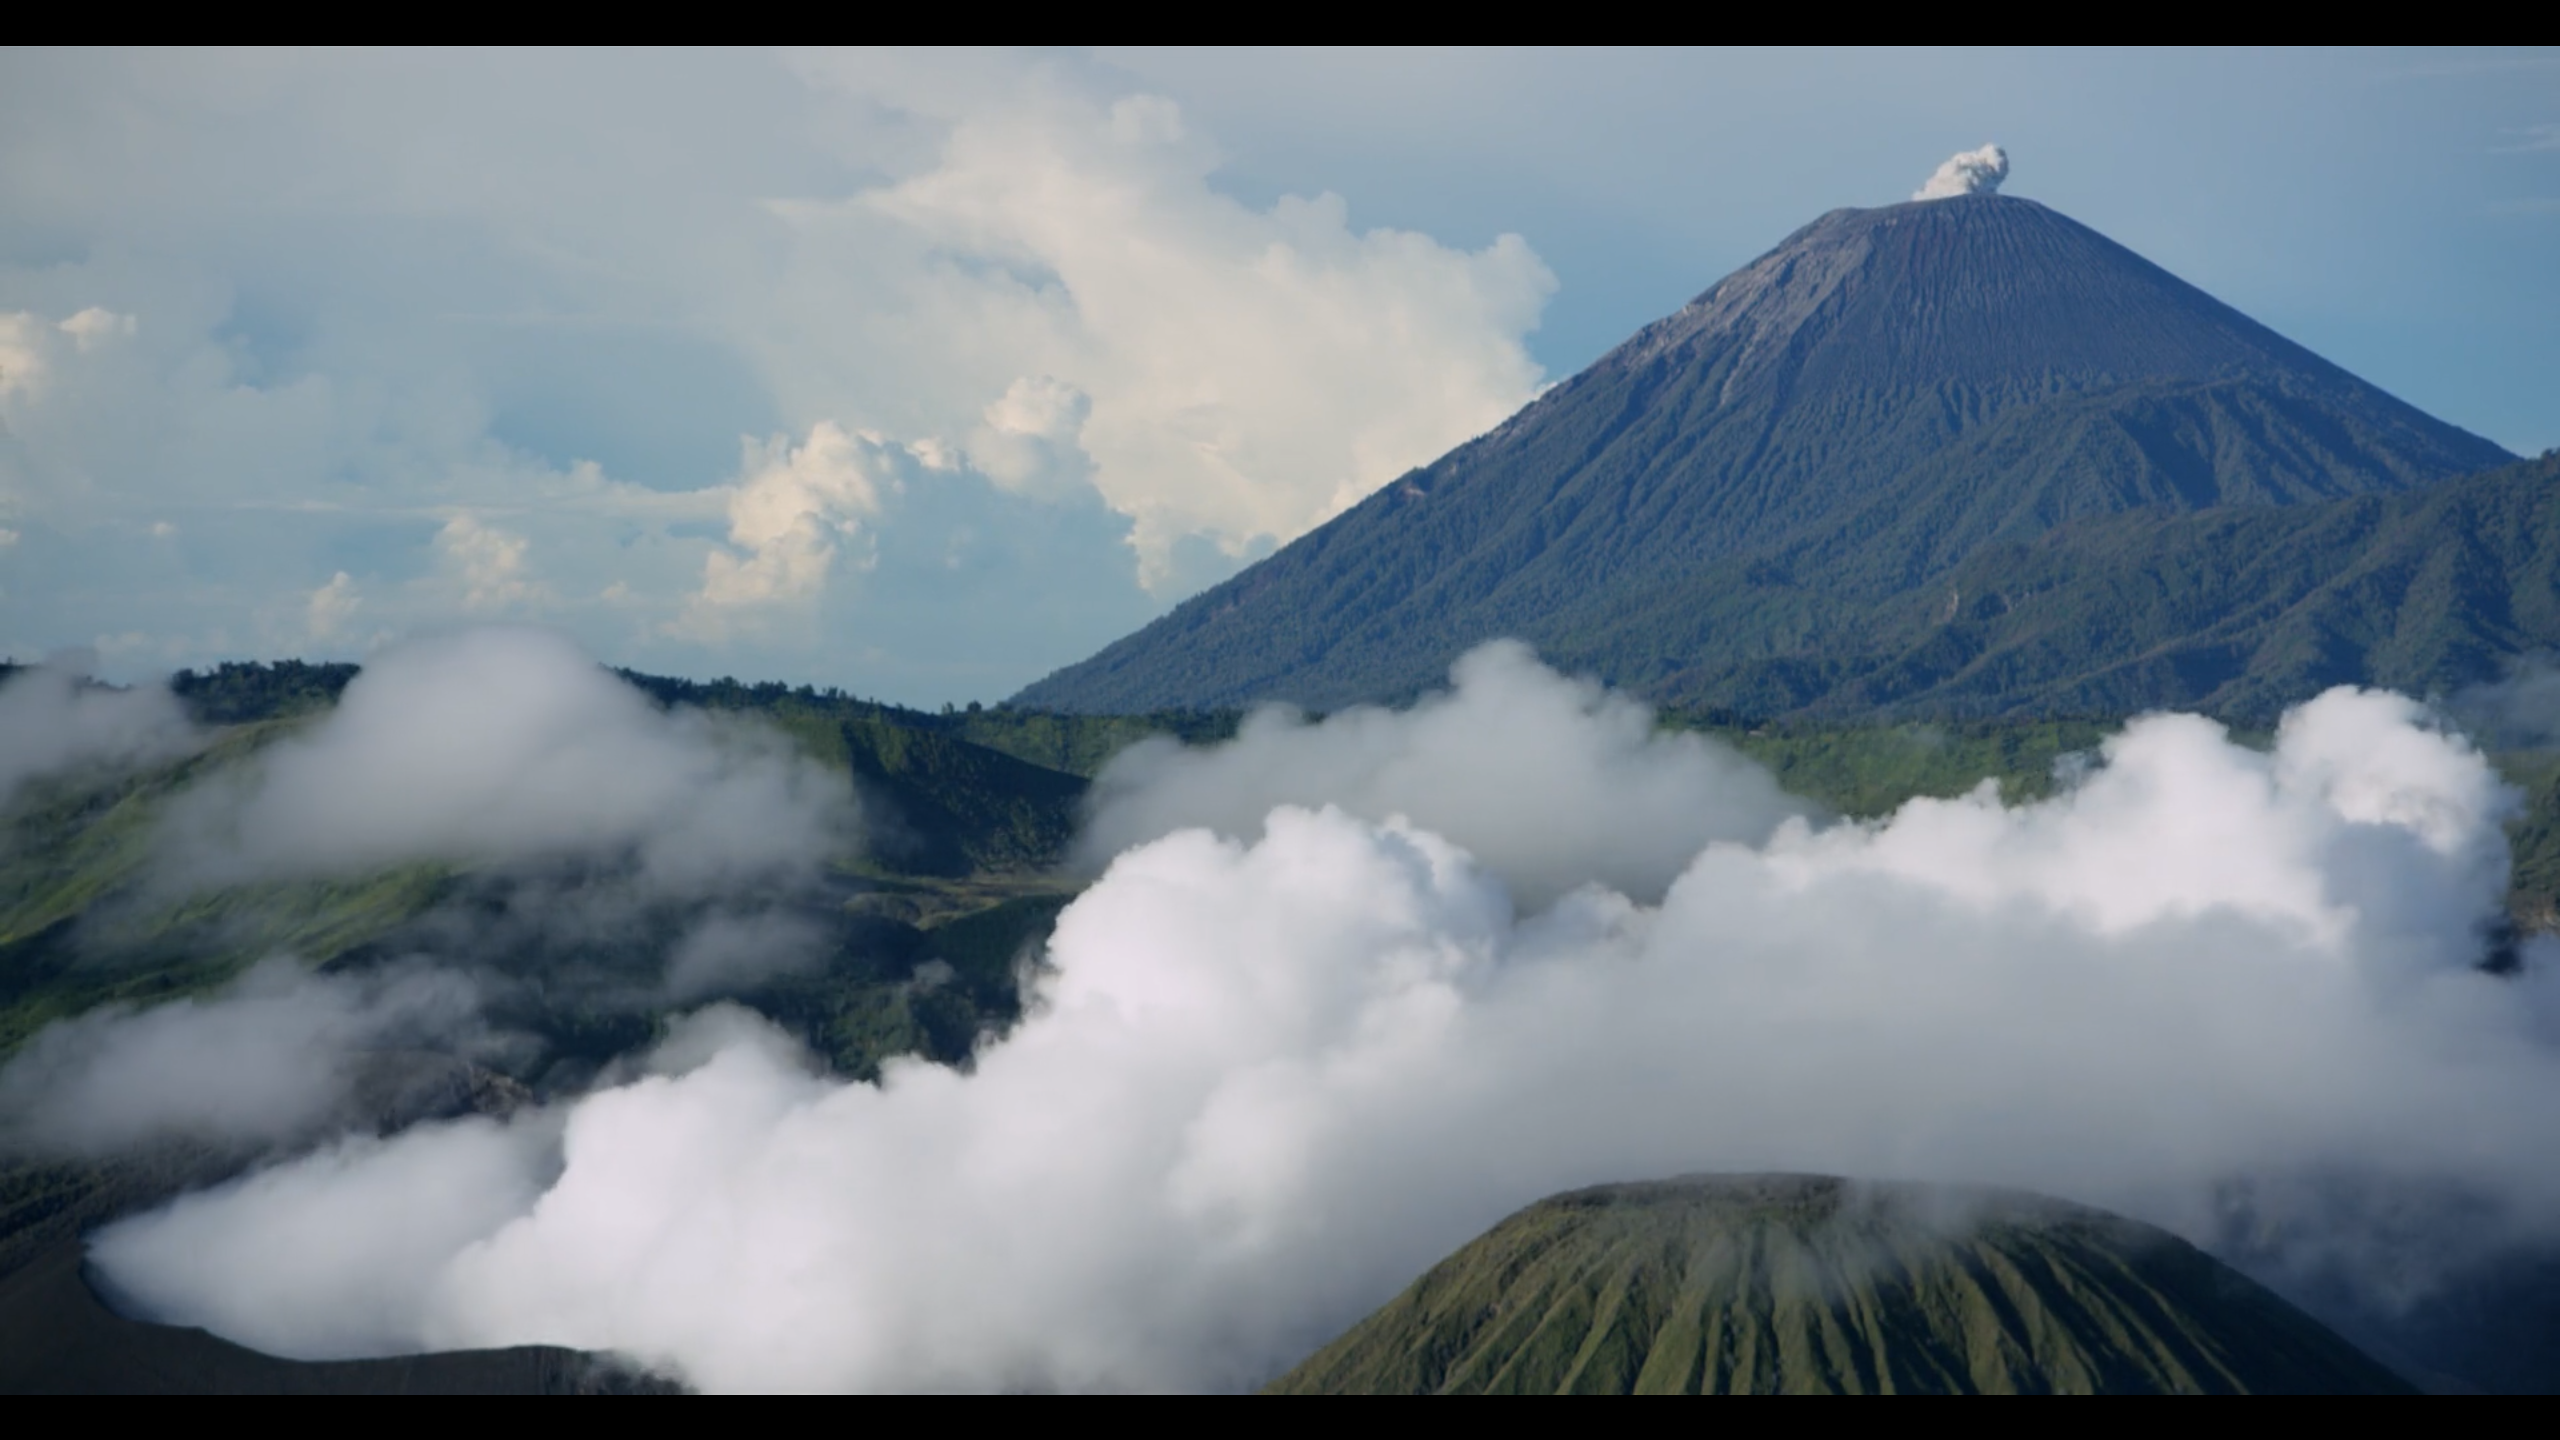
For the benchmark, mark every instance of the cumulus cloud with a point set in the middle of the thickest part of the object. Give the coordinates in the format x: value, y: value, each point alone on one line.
x: 1967, y: 172
x: 333, y: 605
x: 557, y: 319
x: 54, y: 718
x: 1032, y: 441
x: 1266, y: 1077
x: 97, y: 326
x: 1246, y: 374
x: 1549, y: 782
x: 789, y: 513
x: 490, y: 563
x: 20, y: 361
x: 365, y: 1222
x: 499, y: 745
x: 267, y: 1060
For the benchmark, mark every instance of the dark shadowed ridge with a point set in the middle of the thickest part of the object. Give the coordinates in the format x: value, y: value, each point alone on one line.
x: 1807, y: 1285
x: 1802, y: 453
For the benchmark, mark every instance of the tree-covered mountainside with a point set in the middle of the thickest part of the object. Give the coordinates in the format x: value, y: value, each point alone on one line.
x: 1811, y: 1285
x: 1810, y: 449
x: 2239, y: 611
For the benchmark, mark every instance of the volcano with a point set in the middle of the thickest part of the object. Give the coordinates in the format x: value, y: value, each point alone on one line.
x: 1759, y: 502
x: 1811, y: 1285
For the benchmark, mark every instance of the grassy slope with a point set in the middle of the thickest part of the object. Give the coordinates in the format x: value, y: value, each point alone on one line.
x: 962, y: 880
x: 1740, y: 1285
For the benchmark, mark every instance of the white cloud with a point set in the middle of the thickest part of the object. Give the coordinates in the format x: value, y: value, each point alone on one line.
x: 1268, y: 1079
x: 491, y: 563
x: 265, y: 1060
x: 52, y: 719
x: 1249, y: 373
x: 95, y: 326
x: 1967, y: 172
x: 789, y: 514
x: 21, y: 359
x: 1548, y: 782
x: 332, y: 606
x: 1032, y: 442
x: 500, y: 745
x: 554, y: 311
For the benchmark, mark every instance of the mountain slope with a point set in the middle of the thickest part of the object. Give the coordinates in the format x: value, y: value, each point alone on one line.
x: 2233, y: 611
x: 1800, y: 1284
x: 1841, y: 421
x: 2240, y: 611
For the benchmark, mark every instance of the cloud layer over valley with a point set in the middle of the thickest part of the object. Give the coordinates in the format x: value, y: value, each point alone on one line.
x: 539, y: 833
x: 503, y: 745
x: 1345, y: 993
x: 53, y: 718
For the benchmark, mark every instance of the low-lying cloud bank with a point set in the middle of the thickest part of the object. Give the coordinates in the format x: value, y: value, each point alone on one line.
x: 269, y: 1060
x: 53, y: 718
x: 1272, y: 1073
x: 501, y: 745
x: 580, y: 815
x: 588, y: 833
x: 1548, y: 782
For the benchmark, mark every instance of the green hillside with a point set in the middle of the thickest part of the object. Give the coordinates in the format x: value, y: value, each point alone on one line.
x: 2239, y: 611
x: 959, y: 884
x: 1806, y: 1285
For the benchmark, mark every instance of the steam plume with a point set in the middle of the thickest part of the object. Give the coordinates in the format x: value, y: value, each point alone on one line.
x: 1272, y: 1073
x: 1967, y: 172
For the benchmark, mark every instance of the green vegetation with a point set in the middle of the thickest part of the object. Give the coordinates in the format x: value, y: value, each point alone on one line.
x: 236, y: 694
x: 927, y: 928
x: 81, y: 926
x: 2533, y: 895
x: 1802, y: 1285
x: 1069, y: 743
x: 1871, y: 770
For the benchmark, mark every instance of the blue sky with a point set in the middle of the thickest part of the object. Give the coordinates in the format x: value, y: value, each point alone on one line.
x: 924, y: 373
